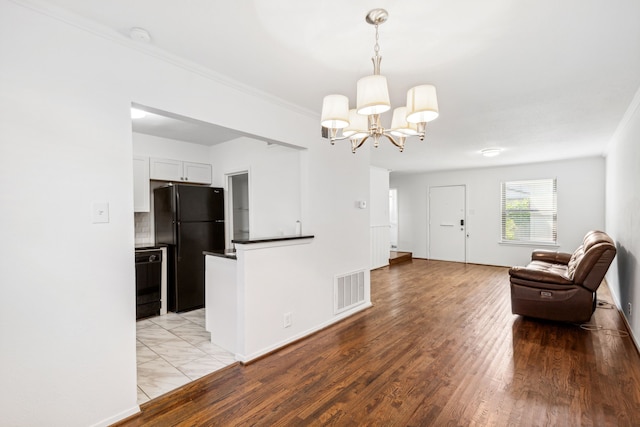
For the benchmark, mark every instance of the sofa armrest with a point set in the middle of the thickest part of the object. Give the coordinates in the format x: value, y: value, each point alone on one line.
x: 551, y: 256
x: 538, y: 275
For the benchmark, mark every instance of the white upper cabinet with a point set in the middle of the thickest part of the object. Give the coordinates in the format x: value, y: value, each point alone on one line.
x: 166, y: 170
x: 197, y: 172
x: 141, y: 193
x: 179, y: 171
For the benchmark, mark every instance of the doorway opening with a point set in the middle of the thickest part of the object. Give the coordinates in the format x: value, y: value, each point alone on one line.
x: 393, y: 218
x: 238, y: 190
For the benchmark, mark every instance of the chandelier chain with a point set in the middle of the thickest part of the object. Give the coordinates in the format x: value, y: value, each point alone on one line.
x: 376, y: 47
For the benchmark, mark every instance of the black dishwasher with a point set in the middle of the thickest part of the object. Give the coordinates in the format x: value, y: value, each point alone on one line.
x: 148, y: 283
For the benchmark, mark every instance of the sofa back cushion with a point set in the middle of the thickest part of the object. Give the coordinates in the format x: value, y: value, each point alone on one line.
x: 574, y: 261
x: 590, y: 262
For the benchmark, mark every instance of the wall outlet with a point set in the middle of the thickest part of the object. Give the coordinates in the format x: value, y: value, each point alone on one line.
x: 287, y: 320
x: 629, y: 309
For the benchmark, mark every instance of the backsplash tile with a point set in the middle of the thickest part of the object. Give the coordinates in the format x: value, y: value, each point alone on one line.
x: 142, y: 222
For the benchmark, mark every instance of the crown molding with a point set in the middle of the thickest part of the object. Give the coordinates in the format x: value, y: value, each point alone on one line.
x: 107, y: 33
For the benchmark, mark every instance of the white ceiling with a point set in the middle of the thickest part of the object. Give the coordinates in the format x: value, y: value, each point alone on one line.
x: 542, y: 80
x: 167, y: 125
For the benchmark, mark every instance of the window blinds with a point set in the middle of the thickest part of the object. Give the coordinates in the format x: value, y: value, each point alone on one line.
x: 529, y: 211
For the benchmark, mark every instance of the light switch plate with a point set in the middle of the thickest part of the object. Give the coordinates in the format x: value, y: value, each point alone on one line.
x: 100, y: 212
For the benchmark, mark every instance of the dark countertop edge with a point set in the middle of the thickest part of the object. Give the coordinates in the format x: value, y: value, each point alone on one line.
x: 221, y: 254
x: 271, y: 239
x: 150, y: 246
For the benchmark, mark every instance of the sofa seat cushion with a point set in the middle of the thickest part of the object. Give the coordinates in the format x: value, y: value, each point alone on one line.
x: 541, y: 271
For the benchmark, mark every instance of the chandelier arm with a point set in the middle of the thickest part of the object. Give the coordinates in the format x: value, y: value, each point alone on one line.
x: 355, y: 144
x: 362, y: 141
x: 339, y: 138
x: 393, y: 141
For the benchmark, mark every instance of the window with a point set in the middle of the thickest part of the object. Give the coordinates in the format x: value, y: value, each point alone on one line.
x: 529, y: 213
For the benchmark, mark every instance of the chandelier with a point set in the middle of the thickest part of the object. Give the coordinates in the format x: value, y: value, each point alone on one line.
x: 363, y: 122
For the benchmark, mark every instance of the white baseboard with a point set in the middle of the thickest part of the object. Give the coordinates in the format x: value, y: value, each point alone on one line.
x: 618, y: 307
x: 119, y: 417
x: 248, y: 358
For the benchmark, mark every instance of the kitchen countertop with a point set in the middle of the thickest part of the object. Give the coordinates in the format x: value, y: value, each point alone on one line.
x: 222, y: 254
x: 271, y: 239
x: 145, y: 246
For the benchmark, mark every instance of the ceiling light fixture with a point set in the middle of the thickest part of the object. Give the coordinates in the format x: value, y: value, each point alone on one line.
x: 140, y: 35
x: 363, y: 122
x: 490, y: 152
x: 137, y: 114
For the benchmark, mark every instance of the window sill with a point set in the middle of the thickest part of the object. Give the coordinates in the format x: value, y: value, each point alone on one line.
x: 536, y: 244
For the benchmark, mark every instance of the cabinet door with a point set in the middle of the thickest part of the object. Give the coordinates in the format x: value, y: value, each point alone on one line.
x: 166, y: 170
x: 141, y: 192
x: 198, y: 173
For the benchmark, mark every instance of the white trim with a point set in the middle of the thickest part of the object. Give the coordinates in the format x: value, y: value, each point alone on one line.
x: 248, y: 358
x: 616, y: 303
x: 119, y: 417
x: 228, y: 210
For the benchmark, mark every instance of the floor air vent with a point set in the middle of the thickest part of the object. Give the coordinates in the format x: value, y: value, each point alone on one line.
x: 348, y: 291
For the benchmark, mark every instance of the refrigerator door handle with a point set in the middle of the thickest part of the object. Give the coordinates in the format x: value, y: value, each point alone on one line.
x: 178, y: 246
x: 178, y: 217
x: 178, y: 223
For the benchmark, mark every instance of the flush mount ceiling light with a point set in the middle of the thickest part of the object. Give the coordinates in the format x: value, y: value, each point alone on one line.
x: 363, y: 122
x: 137, y: 114
x: 490, y: 152
x: 140, y: 35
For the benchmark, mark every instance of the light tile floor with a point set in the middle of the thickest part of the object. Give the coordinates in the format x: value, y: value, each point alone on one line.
x: 173, y: 350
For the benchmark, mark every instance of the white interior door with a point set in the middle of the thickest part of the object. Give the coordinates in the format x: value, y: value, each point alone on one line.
x: 447, y: 225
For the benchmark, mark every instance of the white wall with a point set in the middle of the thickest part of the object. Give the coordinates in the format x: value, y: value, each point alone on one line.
x: 623, y: 214
x: 275, y: 182
x: 167, y: 148
x: 290, y: 261
x: 67, y: 312
x: 580, y: 207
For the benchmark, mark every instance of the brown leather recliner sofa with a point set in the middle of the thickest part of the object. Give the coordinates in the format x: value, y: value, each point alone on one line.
x: 561, y: 286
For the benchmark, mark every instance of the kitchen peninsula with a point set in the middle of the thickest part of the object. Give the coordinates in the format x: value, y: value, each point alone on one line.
x: 245, y: 311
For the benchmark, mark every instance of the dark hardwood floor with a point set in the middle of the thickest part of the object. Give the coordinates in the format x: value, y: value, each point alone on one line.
x: 440, y: 347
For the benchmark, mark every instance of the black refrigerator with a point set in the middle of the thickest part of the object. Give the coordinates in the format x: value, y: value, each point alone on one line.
x: 189, y: 219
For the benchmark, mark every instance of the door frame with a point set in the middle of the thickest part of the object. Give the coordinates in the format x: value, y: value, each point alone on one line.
x: 229, y: 202
x: 466, y: 222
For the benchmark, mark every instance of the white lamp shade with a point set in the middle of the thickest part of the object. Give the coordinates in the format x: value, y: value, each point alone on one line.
x: 399, y: 124
x: 422, y: 104
x: 335, y: 112
x: 358, y: 125
x: 373, y: 95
